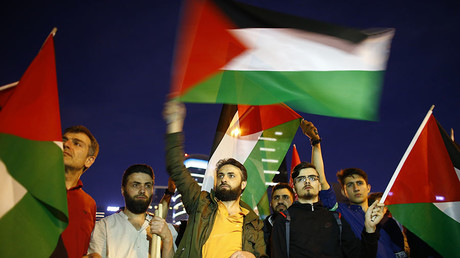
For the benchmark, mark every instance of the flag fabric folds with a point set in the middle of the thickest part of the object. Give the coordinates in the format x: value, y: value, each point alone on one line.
x: 256, y: 136
x: 33, y: 202
x: 424, y: 192
x: 230, y: 52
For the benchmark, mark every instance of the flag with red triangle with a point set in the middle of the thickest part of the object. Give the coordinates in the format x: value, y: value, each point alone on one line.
x: 33, y: 200
x: 256, y: 136
x: 234, y: 53
x: 294, y: 162
x: 424, y: 192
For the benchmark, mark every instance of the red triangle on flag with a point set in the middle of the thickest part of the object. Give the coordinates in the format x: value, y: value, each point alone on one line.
x: 205, y: 45
x: 32, y: 110
x: 294, y: 162
x: 253, y: 119
x: 428, y: 174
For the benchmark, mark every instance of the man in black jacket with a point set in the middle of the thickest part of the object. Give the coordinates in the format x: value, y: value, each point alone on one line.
x: 314, y: 231
x: 282, y: 198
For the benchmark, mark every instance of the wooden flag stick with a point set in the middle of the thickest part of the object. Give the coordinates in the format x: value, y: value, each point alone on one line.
x: 155, y: 250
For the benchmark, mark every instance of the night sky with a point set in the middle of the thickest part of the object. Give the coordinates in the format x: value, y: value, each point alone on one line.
x: 114, y: 63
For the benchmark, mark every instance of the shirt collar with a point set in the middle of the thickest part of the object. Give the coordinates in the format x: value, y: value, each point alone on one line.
x: 78, y: 186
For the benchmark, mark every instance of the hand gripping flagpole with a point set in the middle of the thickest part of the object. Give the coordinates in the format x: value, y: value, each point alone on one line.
x: 406, y: 154
x: 155, y: 250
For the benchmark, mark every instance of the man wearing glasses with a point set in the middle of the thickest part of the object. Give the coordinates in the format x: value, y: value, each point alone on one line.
x: 314, y: 230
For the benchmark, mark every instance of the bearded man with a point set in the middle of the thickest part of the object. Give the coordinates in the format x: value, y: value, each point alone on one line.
x: 128, y: 233
x: 220, y: 224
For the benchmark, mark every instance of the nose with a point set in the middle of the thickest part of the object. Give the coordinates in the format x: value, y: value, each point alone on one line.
x: 142, y: 189
x: 355, y: 187
x: 66, y: 144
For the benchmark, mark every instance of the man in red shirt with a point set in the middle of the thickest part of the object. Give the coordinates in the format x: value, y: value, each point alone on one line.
x: 80, y: 152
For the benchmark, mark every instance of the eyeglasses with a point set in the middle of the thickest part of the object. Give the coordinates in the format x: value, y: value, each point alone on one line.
x: 303, y: 179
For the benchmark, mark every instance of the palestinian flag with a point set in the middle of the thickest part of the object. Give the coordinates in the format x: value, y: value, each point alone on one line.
x: 230, y: 52
x: 33, y: 200
x: 256, y: 136
x: 424, y: 192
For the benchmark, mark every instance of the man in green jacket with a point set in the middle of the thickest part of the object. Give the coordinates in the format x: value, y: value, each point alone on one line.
x: 220, y: 224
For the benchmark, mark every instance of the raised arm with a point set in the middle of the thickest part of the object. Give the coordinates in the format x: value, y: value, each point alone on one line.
x: 174, y: 115
x: 316, y: 156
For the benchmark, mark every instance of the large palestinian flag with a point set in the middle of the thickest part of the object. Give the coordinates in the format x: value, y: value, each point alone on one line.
x: 258, y: 137
x: 230, y: 52
x: 424, y: 192
x: 33, y: 200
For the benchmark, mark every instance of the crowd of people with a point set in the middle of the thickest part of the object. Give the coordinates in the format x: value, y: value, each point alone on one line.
x: 307, y: 220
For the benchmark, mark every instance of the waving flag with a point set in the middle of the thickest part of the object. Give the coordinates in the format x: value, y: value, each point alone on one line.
x: 33, y: 201
x: 424, y: 192
x: 256, y: 136
x: 230, y: 52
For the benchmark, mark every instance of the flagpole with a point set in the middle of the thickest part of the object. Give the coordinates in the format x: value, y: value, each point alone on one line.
x: 155, y: 247
x: 4, y: 87
x: 52, y: 33
x: 409, y: 149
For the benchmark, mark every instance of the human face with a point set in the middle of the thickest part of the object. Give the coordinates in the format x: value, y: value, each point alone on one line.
x: 76, y: 149
x: 308, y: 190
x: 138, y: 192
x: 356, y: 189
x: 229, y: 184
x: 281, y: 200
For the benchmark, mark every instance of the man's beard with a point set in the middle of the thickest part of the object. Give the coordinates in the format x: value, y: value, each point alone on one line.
x: 226, y: 195
x: 280, y: 207
x: 309, y: 195
x: 137, y: 206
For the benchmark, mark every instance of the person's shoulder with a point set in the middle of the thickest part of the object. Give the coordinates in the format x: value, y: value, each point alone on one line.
x: 86, y: 196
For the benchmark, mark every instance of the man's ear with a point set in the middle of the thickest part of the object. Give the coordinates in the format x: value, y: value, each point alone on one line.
x: 243, y: 184
x: 343, y: 192
x: 123, y: 191
x: 368, y: 188
x: 89, y: 161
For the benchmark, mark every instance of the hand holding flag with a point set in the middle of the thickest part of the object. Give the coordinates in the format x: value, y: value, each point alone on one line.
x: 424, y: 192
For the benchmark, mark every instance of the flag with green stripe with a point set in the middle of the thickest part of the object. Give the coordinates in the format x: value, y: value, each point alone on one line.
x: 256, y: 136
x: 230, y: 52
x: 33, y: 202
x: 424, y: 192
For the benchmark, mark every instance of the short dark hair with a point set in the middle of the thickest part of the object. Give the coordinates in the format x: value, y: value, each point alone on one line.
x: 374, y: 196
x: 283, y: 186
x: 344, y: 173
x: 300, y: 166
x: 94, y: 146
x: 137, y: 168
x: 235, y: 163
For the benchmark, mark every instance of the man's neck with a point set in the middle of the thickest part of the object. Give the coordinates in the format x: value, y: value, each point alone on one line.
x: 72, y: 176
x: 310, y: 201
x: 233, y: 207
x: 137, y: 220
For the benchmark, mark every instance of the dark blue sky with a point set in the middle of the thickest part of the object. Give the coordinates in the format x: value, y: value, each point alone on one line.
x: 114, y: 60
